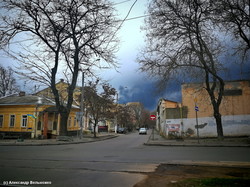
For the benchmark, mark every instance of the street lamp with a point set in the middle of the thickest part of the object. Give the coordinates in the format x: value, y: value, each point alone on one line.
x: 39, y: 103
x: 116, y: 112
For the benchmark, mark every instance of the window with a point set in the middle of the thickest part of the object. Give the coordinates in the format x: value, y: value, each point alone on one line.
x: 233, y: 92
x: 75, y: 121
x: 69, y: 122
x: 12, y: 120
x: 24, y: 120
x: 55, y: 125
x: 39, y: 125
x: 1, y: 121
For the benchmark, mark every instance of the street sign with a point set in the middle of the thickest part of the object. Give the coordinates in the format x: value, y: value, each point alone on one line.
x: 196, y: 108
x: 152, y: 117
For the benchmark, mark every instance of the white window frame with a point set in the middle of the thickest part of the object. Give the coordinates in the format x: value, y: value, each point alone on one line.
x: 12, y: 120
x: 1, y: 120
x: 24, y: 122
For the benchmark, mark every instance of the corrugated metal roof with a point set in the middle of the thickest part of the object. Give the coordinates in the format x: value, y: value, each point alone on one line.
x: 25, y: 100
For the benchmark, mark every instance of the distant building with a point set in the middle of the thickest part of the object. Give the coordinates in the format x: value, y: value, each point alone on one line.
x: 166, y: 110
x: 30, y: 116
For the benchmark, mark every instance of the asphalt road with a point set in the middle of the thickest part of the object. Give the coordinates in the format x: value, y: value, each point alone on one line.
x: 121, y: 161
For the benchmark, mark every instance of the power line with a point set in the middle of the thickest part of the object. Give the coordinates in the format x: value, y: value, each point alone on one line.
x: 137, y: 17
x: 122, y: 21
x: 122, y: 2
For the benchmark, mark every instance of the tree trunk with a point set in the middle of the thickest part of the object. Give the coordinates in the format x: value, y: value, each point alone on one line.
x: 216, y: 106
x: 218, y: 120
x: 63, y: 123
x: 94, y: 130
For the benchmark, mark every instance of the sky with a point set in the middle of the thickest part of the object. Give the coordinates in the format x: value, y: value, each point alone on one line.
x: 131, y: 84
x: 134, y: 85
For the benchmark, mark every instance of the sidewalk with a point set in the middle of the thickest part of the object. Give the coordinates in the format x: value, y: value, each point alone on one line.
x: 156, y: 140
x: 62, y: 141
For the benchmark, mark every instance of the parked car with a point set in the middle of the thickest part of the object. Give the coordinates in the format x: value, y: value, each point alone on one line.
x: 142, y: 131
x: 121, y: 130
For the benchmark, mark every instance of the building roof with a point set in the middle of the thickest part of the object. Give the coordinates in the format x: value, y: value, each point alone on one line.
x: 162, y: 99
x: 19, y: 99
x: 25, y: 100
x: 133, y: 103
x: 225, y: 81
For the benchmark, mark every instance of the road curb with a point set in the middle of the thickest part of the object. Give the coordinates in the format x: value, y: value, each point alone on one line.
x: 192, y: 145
x: 59, y: 143
x: 209, y: 163
x: 169, y: 143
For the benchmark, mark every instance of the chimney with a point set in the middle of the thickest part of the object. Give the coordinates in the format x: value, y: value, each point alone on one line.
x: 21, y: 94
x: 62, y: 80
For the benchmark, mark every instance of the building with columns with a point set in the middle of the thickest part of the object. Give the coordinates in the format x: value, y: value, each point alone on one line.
x: 30, y: 116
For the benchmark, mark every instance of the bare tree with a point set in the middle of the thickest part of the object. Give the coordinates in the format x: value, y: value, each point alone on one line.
x: 7, y: 82
x: 124, y: 117
x: 234, y: 17
x: 181, y: 40
x: 99, y: 106
x: 136, y: 110
x: 145, y: 119
x: 66, y: 36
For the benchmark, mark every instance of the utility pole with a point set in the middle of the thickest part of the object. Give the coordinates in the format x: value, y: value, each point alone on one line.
x: 182, y: 126
x: 116, y: 113
x: 197, y: 124
x: 82, y: 106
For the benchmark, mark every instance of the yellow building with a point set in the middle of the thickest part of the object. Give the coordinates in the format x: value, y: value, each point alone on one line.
x: 236, y: 99
x: 30, y: 116
x: 62, y: 88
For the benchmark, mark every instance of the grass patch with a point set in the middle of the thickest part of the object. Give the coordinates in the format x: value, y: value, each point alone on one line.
x: 214, y: 182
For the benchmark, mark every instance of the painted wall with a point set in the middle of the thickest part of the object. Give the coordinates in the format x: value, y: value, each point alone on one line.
x: 32, y: 124
x: 62, y: 88
x: 236, y: 99
x: 18, y: 111
x: 233, y: 125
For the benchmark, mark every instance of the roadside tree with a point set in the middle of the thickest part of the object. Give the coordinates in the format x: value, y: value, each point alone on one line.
x: 7, y: 82
x: 181, y: 40
x: 99, y: 106
x: 136, y: 110
x: 233, y: 17
x: 124, y: 117
x: 145, y: 119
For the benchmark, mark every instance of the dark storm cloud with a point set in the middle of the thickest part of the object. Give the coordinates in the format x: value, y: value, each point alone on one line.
x: 148, y: 94
x: 140, y: 92
x: 235, y: 69
x: 145, y: 91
